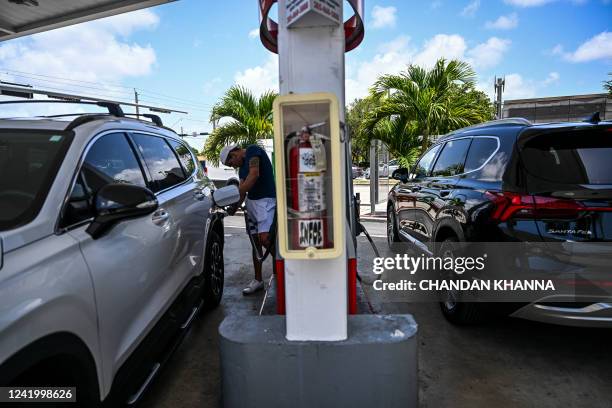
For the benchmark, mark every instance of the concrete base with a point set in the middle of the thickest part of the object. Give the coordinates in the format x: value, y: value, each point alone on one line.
x: 375, y: 367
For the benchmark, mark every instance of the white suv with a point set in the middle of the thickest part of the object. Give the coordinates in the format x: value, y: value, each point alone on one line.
x: 109, y: 246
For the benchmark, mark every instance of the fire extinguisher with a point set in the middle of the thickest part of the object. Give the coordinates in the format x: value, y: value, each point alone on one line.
x: 307, y: 171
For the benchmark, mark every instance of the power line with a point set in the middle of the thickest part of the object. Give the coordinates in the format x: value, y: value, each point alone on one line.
x: 105, y: 87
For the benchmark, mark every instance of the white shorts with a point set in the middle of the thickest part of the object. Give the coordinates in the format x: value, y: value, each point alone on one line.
x: 260, y: 214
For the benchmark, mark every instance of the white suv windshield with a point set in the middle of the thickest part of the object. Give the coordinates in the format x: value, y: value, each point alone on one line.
x: 29, y: 161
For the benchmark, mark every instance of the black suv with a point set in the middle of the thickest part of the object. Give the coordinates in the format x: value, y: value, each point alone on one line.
x: 511, y: 181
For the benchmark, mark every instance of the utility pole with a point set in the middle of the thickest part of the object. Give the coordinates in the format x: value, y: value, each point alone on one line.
x: 136, y: 102
x: 499, y: 84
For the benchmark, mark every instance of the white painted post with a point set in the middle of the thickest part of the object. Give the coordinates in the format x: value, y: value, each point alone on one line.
x: 311, y: 59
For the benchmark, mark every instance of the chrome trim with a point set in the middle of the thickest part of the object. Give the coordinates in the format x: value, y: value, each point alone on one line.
x: 595, y: 307
x: 193, y: 314
x: 134, y: 398
x: 415, y: 242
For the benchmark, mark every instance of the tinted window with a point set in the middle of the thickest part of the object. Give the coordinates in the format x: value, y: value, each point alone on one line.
x: 29, y: 162
x: 480, y: 150
x: 582, y: 157
x: 162, y: 163
x: 111, y: 160
x: 184, y: 154
x: 424, y: 165
x: 452, y: 158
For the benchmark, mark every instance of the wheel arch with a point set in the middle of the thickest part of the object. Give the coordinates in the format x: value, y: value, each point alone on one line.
x: 62, y: 346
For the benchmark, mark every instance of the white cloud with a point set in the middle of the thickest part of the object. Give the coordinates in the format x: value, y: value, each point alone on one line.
x: 597, y: 48
x: 503, y: 22
x: 471, y: 9
x: 490, y: 53
x: 95, y: 51
x: 396, y: 55
x: 552, y: 78
x: 528, y: 3
x: 261, y: 78
x: 442, y: 45
x: 519, y: 87
x: 254, y: 33
x: 383, y: 17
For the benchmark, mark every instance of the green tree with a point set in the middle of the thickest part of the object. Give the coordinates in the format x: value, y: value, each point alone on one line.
x: 608, y: 85
x: 248, y: 119
x: 356, y: 114
x: 417, y: 104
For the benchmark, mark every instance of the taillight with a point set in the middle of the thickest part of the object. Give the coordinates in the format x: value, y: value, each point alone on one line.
x: 513, y: 205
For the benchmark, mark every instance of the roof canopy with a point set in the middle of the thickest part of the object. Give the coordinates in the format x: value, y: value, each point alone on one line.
x: 24, y: 17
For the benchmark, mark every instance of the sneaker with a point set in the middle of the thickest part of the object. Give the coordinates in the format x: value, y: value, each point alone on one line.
x: 253, y: 287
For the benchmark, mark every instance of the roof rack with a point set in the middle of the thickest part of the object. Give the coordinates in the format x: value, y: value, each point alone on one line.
x: 113, y: 107
x: 507, y: 121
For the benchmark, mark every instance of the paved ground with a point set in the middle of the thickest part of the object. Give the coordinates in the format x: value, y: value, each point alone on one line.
x: 510, y: 363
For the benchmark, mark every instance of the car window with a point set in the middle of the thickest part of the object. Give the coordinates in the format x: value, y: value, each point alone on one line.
x: 573, y: 157
x: 164, y: 167
x: 424, y: 165
x: 110, y: 159
x: 29, y: 162
x: 184, y: 154
x: 481, y: 150
x: 451, y: 160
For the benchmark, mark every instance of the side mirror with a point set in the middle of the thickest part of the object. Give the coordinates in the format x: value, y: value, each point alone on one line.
x: 225, y: 196
x: 117, y: 202
x: 400, y: 174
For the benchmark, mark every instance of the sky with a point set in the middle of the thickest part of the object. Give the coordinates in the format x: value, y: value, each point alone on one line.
x: 185, y: 54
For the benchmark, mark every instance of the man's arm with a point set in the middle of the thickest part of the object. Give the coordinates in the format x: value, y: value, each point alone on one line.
x: 251, y: 178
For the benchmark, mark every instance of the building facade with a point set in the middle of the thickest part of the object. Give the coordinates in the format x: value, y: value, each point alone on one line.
x: 560, y: 108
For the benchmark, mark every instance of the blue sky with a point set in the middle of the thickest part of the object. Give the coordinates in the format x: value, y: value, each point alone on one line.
x: 185, y: 54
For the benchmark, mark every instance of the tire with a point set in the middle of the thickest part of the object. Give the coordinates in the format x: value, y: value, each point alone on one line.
x: 214, y: 271
x: 455, y: 311
x: 392, y: 233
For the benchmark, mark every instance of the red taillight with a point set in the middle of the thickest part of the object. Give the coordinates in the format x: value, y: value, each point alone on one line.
x: 513, y: 205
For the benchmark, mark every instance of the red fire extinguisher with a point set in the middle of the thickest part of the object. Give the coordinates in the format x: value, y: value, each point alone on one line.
x: 307, y: 171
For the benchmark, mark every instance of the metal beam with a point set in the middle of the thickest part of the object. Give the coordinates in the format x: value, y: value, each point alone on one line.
x: 6, y: 27
x: 81, y: 16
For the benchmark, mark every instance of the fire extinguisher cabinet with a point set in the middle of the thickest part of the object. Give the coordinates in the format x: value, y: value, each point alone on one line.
x: 307, y: 146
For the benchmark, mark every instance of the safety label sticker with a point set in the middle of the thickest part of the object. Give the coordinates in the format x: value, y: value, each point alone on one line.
x: 311, y: 192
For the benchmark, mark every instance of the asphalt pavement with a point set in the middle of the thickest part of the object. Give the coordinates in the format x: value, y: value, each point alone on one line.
x: 507, y: 363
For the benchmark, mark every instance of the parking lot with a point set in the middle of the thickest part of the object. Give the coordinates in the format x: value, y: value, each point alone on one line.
x: 510, y: 363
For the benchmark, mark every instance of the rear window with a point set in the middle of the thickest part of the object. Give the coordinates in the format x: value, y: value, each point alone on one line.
x: 161, y: 161
x: 451, y: 160
x: 481, y: 150
x: 29, y: 161
x: 578, y: 157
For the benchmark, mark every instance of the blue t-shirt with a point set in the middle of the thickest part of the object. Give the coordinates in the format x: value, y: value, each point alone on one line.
x: 264, y: 186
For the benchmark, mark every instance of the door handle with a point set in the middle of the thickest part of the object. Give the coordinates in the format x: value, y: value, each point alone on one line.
x: 160, y: 217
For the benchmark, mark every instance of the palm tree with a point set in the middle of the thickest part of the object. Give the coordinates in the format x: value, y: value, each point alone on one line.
x: 250, y: 119
x: 420, y: 103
